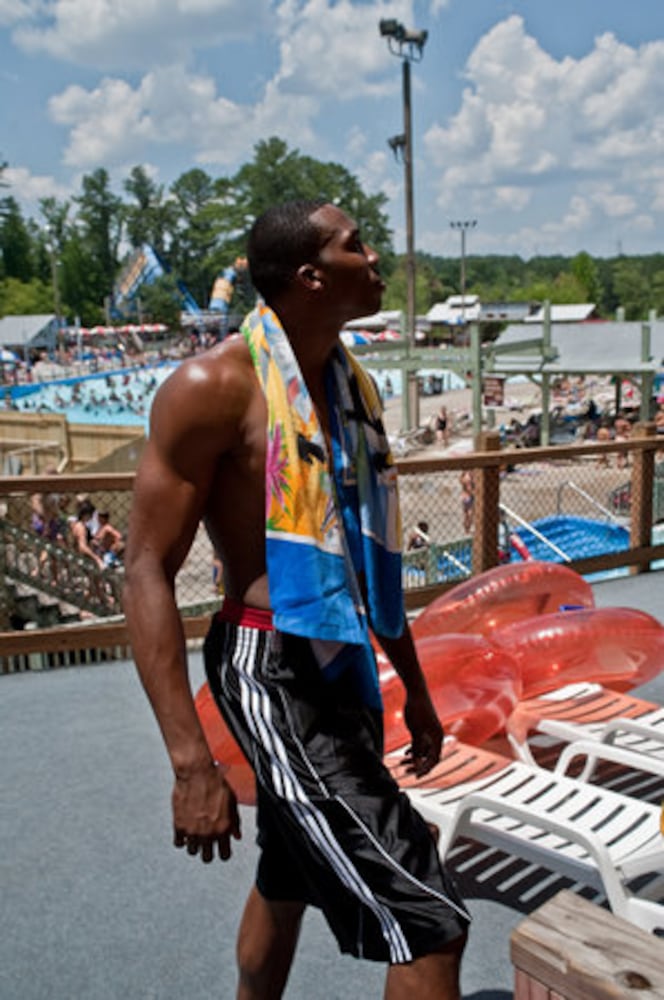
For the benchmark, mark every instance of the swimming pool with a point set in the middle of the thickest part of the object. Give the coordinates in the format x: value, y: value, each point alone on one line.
x: 122, y: 397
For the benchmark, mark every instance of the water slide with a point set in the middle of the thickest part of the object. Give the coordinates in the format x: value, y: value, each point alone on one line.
x: 144, y: 267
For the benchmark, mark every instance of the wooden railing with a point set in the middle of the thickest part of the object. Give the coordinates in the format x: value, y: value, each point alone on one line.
x: 423, y: 476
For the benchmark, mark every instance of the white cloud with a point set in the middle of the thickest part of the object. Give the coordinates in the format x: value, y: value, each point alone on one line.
x: 375, y: 169
x: 613, y: 203
x: 28, y: 188
x: 532, y: 129
x: 325, y: 49
x: 14, y: 11
x: 122, y: 34
x: 116, y: 123
x: 334, y: 48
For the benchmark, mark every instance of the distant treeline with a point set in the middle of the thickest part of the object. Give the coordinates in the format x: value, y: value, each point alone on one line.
x: 635, y: 283
x: 68, y: 259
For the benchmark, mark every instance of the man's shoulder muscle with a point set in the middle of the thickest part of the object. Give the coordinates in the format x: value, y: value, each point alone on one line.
x: 209, y: 394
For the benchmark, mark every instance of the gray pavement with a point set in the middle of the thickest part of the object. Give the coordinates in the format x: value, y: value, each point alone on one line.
x: 97, y: 904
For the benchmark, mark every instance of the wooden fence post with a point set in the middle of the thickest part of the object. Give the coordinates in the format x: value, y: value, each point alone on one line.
x: 487, y: 499
x: 643, y: 478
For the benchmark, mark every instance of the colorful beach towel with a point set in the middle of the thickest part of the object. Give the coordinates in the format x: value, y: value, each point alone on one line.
x: 323, y: 529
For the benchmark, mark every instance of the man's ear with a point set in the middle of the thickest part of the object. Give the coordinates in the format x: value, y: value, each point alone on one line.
x: 310, y: 276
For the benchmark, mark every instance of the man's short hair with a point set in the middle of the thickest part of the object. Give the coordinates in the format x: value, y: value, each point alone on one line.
x: 281, y: 240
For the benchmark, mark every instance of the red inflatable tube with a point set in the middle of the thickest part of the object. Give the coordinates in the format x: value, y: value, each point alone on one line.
x: 501, y: 596
x: 617, y: 647
x: 224, y: 748
x: 473, y: 685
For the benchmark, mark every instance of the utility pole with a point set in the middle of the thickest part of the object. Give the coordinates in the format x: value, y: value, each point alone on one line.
x: 463, y: 228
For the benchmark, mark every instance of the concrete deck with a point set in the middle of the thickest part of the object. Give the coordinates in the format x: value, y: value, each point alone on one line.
x: 96, y: 903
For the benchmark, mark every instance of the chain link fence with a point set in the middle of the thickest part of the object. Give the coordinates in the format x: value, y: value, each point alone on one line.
x: 594, y: 506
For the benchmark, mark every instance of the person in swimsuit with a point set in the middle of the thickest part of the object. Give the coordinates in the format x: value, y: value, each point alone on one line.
x: 442, y: 426
x: 334, y: 829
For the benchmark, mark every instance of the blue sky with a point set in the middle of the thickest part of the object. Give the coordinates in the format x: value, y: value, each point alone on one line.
x: 542, y: 121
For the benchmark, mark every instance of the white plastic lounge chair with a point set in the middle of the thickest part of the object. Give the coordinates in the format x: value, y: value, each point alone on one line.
x: 595, y: 723
x: 584, y: 832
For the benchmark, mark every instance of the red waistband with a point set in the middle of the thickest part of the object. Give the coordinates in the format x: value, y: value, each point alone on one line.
x: 241, y: 614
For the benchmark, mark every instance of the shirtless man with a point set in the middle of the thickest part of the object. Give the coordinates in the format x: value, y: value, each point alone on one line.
x: 377, y: 878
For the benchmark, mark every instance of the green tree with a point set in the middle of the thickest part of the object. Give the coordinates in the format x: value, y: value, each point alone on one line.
x: 151, y: 218
x: 429, y: 288
x: 161, y: 302
x: 15, y: 243
x: 657, y: 292
x: 196, y: 234
x: 277, y: 173
x: 100, y: 220
x: 631, y: 289
x: 585, y: 272
x: 79, y: 284
x: 23, y: 298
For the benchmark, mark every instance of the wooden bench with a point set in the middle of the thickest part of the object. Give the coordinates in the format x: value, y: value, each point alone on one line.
x: 570, y: 949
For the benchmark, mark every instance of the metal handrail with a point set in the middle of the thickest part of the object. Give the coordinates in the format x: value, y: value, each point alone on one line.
x: 538, y: 534
x: 79, y: 583
x: 586, y: 496
x: 456, y: 562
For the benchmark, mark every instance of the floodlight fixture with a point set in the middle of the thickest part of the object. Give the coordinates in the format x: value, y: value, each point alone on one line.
x: 397, y: 144
x: 407, y: 43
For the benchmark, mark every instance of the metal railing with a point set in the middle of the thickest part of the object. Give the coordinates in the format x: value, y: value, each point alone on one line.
x: 527, y: 526
x: 610, y: 516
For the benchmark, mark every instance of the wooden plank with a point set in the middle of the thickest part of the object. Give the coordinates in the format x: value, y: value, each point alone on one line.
x: 583, y: 952
x: 527, y: 988
x: 68, y: 637
x: 67, y: 483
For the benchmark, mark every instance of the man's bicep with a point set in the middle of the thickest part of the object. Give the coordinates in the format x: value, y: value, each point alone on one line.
x: 167, y: 506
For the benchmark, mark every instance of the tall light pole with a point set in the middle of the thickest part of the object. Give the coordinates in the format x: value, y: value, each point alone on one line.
x: 463, y: 228
x: 408, y: 45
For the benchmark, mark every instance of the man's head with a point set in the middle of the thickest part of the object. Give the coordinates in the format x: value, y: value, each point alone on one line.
x: 281, y: 240
x: 315, y: 248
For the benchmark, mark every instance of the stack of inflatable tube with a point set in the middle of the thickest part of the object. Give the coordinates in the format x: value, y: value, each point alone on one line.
x: 501, y: 596
x: 474, y: 687
x: 619, y: 648
x: 224, y: 749
x: 513, y: 632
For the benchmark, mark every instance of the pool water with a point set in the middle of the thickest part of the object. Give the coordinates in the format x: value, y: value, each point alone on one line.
x: 123, y: 397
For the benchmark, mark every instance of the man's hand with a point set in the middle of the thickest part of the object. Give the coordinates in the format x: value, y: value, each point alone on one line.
x: 427, y: 734
x: 205, y: 813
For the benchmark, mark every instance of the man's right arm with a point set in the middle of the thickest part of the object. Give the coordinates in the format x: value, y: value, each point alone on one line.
x: 190, y: 429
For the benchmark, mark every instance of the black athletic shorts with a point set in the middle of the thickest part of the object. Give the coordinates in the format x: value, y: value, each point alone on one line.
x: 334, y: 829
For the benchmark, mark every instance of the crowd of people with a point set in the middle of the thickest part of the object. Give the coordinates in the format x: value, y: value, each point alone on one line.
x: 87, y: 532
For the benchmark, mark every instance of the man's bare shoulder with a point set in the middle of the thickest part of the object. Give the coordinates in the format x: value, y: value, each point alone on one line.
x: 217, y: 384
